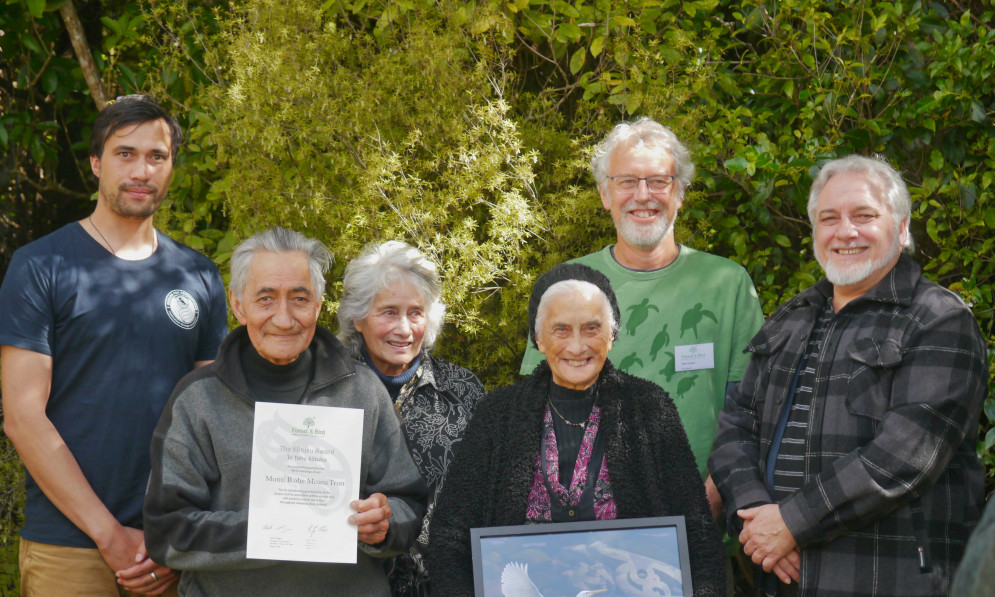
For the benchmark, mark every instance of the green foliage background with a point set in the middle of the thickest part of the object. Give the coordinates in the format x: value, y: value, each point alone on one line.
x: 465, y: 129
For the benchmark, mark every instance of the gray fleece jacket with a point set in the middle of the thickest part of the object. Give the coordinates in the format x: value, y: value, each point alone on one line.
x: 196, y: 508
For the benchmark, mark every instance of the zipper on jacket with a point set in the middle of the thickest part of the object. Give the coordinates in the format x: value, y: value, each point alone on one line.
x: 922, y: 549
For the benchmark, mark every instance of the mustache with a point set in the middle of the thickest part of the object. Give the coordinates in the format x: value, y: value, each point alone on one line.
x: 645, y: 205
x: 138, y: 187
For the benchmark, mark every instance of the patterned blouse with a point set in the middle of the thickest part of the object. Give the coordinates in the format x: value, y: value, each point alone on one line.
x: 540, y: 506
x: 435, y: 408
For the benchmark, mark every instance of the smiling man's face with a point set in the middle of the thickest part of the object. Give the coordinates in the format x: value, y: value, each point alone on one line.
x: 643, y: 219
x: 857, y: 241
x: 279, y: 306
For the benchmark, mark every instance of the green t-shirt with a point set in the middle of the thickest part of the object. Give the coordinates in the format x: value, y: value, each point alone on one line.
x: 683, y: 327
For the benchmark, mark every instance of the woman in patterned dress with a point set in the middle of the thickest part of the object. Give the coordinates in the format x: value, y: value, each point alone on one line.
x: 575, y: 440
x: 389, y: 318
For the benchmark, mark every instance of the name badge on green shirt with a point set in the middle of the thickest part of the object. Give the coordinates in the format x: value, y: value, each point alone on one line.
x: 692, y: 357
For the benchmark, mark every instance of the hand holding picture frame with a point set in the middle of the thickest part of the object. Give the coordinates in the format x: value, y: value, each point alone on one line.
x: 603, y: 558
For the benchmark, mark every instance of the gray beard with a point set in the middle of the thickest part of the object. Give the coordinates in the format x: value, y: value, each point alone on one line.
x: 645, y: 236
x: 860, y: 272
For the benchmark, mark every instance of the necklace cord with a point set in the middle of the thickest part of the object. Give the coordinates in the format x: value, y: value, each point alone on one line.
x: 102, y: 237
x: 553, y: 406
x: 155, y: 238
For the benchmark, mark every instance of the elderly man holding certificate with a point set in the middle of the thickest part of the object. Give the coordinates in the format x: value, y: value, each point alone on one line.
x: 285, y: 406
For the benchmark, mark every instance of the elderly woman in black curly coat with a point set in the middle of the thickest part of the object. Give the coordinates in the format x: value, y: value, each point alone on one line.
x: 575, y: 440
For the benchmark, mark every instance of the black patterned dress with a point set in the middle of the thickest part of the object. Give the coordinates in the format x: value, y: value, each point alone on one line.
x: 435, y: 408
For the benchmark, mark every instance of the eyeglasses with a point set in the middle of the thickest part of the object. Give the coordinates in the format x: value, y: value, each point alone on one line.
x: 656, y: 184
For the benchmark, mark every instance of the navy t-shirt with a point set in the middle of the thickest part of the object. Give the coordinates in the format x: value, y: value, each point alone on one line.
x: 121, y: 334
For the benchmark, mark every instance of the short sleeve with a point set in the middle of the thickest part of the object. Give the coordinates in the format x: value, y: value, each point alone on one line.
x: 749, y: 319
x: 216, y: 320
x: 27, y: 319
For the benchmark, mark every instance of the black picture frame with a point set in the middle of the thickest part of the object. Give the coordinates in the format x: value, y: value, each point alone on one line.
x: 612, y: 557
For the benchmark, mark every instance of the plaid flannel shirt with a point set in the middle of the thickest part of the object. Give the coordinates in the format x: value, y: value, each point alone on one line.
x: 890, y: 462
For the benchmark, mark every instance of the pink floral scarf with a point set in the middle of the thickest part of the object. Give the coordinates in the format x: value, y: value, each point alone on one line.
x: 539, y: 508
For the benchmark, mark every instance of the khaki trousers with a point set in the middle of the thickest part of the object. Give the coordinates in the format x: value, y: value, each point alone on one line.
x: 50, y: 570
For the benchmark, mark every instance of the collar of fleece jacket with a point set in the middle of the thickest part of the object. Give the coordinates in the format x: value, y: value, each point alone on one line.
x: 330, y: 353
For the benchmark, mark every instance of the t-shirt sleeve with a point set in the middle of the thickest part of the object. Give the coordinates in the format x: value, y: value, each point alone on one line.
x: 749, y: 319
x: 216, y: 318
x: 27, y: 319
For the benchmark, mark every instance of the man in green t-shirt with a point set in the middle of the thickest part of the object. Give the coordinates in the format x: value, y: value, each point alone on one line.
x: 686, y: 315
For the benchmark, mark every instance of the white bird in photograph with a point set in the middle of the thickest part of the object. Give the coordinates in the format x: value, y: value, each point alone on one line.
x: 515, y: 582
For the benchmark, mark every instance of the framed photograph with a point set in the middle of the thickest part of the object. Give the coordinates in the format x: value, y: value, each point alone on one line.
x: 602, y: 558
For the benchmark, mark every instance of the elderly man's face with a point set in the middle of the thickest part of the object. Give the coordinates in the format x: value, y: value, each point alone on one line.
x: 575, y: 337
x: 279, y: 305
x: 856, y: 239
x: 642, y: 218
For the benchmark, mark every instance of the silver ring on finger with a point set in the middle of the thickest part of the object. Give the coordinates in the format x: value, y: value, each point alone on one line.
x: 154, y: 577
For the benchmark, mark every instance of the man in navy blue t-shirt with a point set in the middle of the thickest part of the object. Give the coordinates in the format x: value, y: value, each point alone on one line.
x: 101, y: 318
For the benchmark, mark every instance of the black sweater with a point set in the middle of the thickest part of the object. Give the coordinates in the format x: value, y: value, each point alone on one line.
x: 649, y: 461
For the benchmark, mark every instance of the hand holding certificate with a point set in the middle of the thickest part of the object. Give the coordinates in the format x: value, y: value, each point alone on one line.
x: 372, y: 518
x: 305, y: 473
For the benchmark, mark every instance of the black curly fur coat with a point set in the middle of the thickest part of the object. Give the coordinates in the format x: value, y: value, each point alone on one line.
x: 649, y: 461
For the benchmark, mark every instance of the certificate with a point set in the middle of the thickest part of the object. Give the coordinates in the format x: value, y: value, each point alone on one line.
x: 305, y: 471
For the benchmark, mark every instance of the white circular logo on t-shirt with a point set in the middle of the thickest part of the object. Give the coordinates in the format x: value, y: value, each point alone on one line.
x: 182, y: 308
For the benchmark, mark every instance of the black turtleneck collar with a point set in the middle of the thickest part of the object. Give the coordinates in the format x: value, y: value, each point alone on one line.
x: 559, y: 392
x: 269, y: 382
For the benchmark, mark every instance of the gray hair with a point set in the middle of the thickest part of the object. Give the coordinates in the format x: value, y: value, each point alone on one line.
x: 644, y: 131
x: 280, y: 240
x: 376, y: 268
x: 880, y: 174
x: 573, y: 285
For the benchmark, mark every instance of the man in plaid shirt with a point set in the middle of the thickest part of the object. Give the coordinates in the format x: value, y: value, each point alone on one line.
x: 846, y: 456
